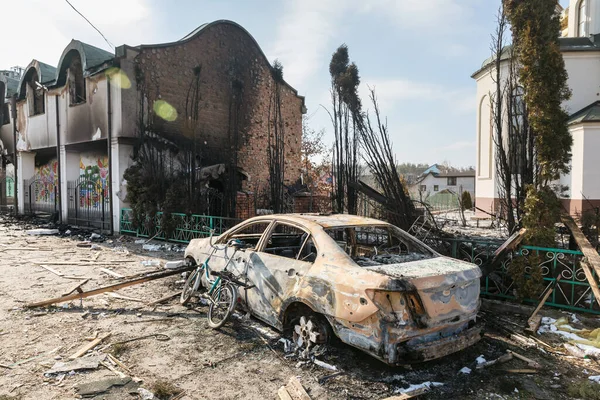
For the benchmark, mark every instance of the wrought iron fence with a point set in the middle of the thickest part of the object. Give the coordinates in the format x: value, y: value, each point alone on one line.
x: 40, y: 196
x: 184, y: 227
x: 89, y: 202
x: 572, y: 291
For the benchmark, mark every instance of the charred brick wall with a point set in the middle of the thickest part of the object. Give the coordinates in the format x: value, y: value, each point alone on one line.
x: 220, y: 84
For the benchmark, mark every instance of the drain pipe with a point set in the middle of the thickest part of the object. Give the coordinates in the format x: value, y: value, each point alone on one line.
x: 13, y: 111
x: 110, y: 169
x: 58, y: 162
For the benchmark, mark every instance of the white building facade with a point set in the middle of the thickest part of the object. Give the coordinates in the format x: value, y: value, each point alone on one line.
x: 581, y: 53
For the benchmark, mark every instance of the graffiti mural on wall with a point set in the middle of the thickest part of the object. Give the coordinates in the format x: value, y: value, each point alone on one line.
x: 46, y: 179
x: 93, y: 177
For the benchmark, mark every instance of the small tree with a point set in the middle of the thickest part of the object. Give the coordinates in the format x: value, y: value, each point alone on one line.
x: 466, y: 201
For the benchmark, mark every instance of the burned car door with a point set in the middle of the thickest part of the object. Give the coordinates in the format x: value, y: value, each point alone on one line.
x: 250, y: 234
x: 277, y: 268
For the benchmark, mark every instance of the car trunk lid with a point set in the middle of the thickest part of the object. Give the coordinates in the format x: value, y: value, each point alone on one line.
x: 439, y: 291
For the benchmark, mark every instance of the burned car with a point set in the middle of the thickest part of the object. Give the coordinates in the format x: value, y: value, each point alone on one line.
x: 363, y: 280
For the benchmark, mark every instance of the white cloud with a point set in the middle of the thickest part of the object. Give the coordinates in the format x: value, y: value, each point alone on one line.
x: 303, y: 37
x: 428, y: 16
x: 41, y: 29
x: 390, y: 92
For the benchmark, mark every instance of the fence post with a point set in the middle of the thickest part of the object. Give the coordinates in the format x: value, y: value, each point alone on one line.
x: 30, y: 207
x: 103, y: 209
x: 55, y: 198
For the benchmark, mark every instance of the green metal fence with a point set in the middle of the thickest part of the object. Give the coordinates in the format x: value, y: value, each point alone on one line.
x: 572, y: 292
x: 186, y: 227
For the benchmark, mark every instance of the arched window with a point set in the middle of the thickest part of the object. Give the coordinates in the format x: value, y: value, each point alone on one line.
x: 76, y: 80
x: 35, y: 95
x: 582, y: 30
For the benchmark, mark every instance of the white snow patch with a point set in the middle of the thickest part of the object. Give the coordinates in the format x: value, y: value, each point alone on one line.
x: 595, y: 378
x: 412, y: 388
x: 590, y: 351
x: 481, y: 360
x: 465, y: 370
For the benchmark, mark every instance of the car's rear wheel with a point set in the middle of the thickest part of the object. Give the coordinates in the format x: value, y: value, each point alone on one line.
x: 310, y: 329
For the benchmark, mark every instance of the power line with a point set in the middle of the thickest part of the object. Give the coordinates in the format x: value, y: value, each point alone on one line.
x: 92, y: 25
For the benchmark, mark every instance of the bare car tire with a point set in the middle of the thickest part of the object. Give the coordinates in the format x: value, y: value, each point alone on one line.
x: 221, y: 307
x: 310, y: 329
x: 191, y: 285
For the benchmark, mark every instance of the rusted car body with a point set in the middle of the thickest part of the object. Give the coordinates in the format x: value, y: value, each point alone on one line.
x: 374, y: 286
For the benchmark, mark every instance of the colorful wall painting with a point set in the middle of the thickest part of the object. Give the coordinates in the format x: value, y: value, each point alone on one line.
x: 93, y: 176
x: 45, y: 179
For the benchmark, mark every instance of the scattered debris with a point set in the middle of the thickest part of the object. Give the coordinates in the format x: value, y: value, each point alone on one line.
x: 293, y: 391
x: 529, y: 361
x: 465, y: 370
x: 145, y: 394
x: 150, y: 263
x: 595, y: 378
x: 152, y: 247
x: 502, y: 359
x: 148, y: 277
x: 86, y: 389
x: 84, y: 349
x: 43, y: 232
x: 91, y: 362
x: 112, y: 273
x: 174, y: 264
x: 480, y: 360
x: 325, y: 365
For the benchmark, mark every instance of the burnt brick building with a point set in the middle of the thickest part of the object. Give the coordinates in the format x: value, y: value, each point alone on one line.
x: 212, y: 96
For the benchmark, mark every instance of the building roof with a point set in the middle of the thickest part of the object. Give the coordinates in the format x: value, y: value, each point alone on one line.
x: 590, y: 113
x: 11, y: 85
x: 567, y: 44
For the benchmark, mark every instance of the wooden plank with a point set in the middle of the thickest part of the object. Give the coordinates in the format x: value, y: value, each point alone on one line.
x: 120, y: 296
x: 283, y: 394
x: 77, y: 288
x: 82, y: 263
x: 502, y: 359
x: 410, y: 395
x: 119, y: 363
x: 586, y: 247
x: 112, y: 273
x: 85, y: 348
x: 111, y: 288
x: 590, y: 253
x: 532, y: 322
x: 163, y: 299
x: 592, y: 281
x: 55, y: 272
x: 296, y: 390
x: 532, y: 363
x: 520, y: 371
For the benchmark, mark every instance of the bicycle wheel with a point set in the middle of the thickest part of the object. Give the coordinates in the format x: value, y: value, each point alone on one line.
x: 191, y: 285
x: 222, y: 305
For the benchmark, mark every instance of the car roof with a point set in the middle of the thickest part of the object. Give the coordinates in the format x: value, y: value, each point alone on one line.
x: 326, y: 221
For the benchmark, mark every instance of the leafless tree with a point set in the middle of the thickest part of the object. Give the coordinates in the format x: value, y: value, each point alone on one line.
x: 513, y: 138
x: 380, y: 159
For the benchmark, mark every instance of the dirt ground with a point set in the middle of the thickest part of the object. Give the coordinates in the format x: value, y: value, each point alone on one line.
x: 243, y: 360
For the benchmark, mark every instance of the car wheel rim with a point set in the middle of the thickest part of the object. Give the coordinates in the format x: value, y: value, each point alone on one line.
x: 306, y: 334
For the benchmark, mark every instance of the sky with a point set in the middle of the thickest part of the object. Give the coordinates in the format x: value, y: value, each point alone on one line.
x: 418, y: 55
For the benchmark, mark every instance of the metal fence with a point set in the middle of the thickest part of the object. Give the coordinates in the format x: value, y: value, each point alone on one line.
x: 185, y: 227
x: 89, y: 203
x: 572, y: 291
x: 7, y: 193
x: 40, y: 196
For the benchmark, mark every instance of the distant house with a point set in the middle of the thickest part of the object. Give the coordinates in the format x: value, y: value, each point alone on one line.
x: 437, y: 179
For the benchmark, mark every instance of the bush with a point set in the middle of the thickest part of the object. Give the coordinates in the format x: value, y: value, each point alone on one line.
x: 467, y: 202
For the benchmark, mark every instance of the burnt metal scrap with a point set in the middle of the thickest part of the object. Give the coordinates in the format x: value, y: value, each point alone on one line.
x: 310, y: 276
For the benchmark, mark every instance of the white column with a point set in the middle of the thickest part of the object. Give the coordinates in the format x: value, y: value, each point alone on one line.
x: 25, y: 170
x: 64, y: 197
x: 121, y: 160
